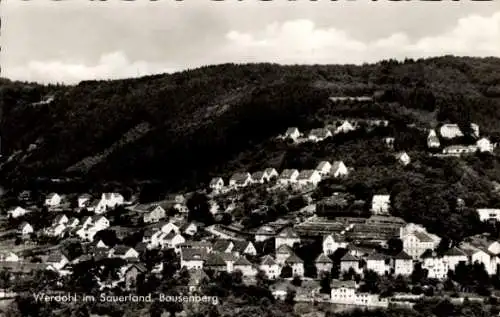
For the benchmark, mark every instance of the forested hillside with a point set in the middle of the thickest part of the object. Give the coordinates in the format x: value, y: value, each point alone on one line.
x: 183, y: 128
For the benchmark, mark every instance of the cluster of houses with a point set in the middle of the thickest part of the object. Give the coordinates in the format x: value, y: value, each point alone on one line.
x: 451, y: 131
x: 287, y: 177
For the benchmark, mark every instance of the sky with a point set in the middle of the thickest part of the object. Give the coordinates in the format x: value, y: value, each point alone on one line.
x: 72, y: 40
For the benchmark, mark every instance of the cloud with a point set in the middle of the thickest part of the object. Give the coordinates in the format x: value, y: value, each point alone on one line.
x: 110, y: 66
x: 301, y: 41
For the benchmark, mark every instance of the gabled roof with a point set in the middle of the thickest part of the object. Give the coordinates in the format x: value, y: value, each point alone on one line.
x: 422, y: 237
x: 284, y: 249
x: 291, y: 130
x: 454, y: 252
x: 288, y: 232
x: 258, y: 175
x: 343, y: 284
x: 215, y: 180
x: 320, y: 133
x: 403, y: 256
x: 336, y: 165
x: 242, y: 261
x: 240, y: 246
x: 221, y: 245
x: 322, y: 258
x: 85, y: 196
x: 292, y: 259
x: 306, y: 174
x: 121, y: 249
x: 322, y: 165
x: 287, y: 173
x: 349, y: 258
x: 268, y: 260
x: 139, y: 266
x: 240, y: 177
x: 227, y: 257
x: 270, y: 170
x: 23, y: 224
x: 51, y: 195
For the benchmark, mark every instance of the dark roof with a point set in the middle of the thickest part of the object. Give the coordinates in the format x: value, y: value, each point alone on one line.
x: 22, y: 267
x: 139, y: 266
x: 376, y: 257
x: 215, y: 259
x: 322, y: 258
x: 343, y: 284
x: 292, y: 259
x: 287, y: 173
x: 422, y: 237
x: 349, y: 258
x: 242, y: 261
x: 193, y: 254
x: 121, y: 249
x: 258, y: 175
x: 306, y: 174
x: 454, y: 252
x: 240, y: 246
x: 221, y: 245
x: 284, y: 249
x: 268, y: 260
x: 240, y: 177
x: 403, y: 256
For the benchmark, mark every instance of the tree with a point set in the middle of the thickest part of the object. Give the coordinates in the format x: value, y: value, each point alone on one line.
x: 199, y: 209
x: 286, y: 271
x: 395, y: 246
x: 297, y: 281
x: 371, y: 282
x: 325, y: 283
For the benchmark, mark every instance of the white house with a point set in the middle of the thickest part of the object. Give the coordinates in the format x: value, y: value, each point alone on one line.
x: 25, y: 229
x: 244, y: 247
x: 60, y: 220
x: 316, y: 135
x: 283, y: 253
x: 484, y: 145
x: 403, y: 158
x: 432, y: 139
x: 153, y: 214
x: 450, y: 130
x: 287, y: 236
x: 377, y: 263
x: 339, y: 169
x: 269, y: 266
x: 292, y: 133
x: 123, y: 252
x: 192, y: 258
x: 17, y: 212
x: 288, y: 176
x: 486, y: 214
x: 173, y: 240
x: 110, y: 200
x: 479, y: 255
x: 190, y: 229
x: 416, y: 243
x: 324, y: 168
x: 53, y: 200
x: 454, y: 256
x: 244, y: 266
x: 389, y: 142
x: 216, y: 184
x: 8, y: 256
x: 323, y: 263
x: 57, y: 260
x: 296, y: 264
x: 330, y: 245
x: 170, y: 226
x: 381, y: 204
x: 348, y: 262
x: 240, y: 180
x: 345, y: 292
x: 345, y: 127
x: 309, y: 177
x: 436, y: 266
x: 99, y: 223
x: 83, y: 200
x: 459, y: 149
x: 403, y: 264
x: 270, y: 173
x: 259, y: 177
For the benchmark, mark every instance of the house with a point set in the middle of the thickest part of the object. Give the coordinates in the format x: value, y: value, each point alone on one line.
x: 451, y: 131
x: 216, y: 184
x: 323, y: 263
x: 60, y: 220
x: 192, y: 258
x: 259, y: 177
x: 173, y: 240
x: 99, y: 223
x: 53, y: 200
x: 349, y: 261
x: 339, y: 169
x: 265, y: 232
x: 270, y: 173
x: 454, y: 256
x: 378, y: 263
x: 345, y: 292
x: 24, y: 229
x: 403, y: 158
x: 287, y: 236
x: 244, y: 266
x: 316, y: 135
x: 484, y: 145
x: 381, y: 204
x: 123, y: 252
x: 283, y: 253
x: 223, y: 245
x: 309, y: 177
x: 270, y: 267
x: 403, y: 264
x: 292, y: 133
x: 73, y: 222
x: 190, y: 229
x: 433, y: 140
x: 416, y: 243
x: 389, y: 142
x: 330, y: 245
x: 152, y: 214
x: 324, y: 168
x: 213, y: 206
x: 240, y: 180
x: 57, y: 260
x: 195, y: 279
x: 479, y: 255
x: 17, y: 212
x: 108, y: 201
x: 296, y: 264
x: 244, y: 247
x: 344, y: 127
x: 486, y: 214
x: 83, y: 200
x: 459, y: 149
x: 131, y: 274
x: 288, y: 176
x: 8, y: 256
x: 170, y: 226
x: 216, y: 263
x: 101, y: 244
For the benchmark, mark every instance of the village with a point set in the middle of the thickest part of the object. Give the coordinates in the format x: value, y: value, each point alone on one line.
x: 305, y: 252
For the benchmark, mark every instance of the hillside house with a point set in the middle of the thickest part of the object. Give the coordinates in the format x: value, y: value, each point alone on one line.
x: 193, y: 258
x: 259, y: 177
x: 265, y: 232
x: 240, y: 180
x: 244, y: 247
x: 323, y: 263
x: 454, y: 256
x: 216, y: 184
x: 403, y: 264
x: 245, y: 267
x: 483, y: 242
x: 484, y: 145
x: 287, y: 236
x: 292, y: 133
x: 389, y: 142
x: 378, y: 263
x: 317, y: 135
x: 109, y: 201
x: 330, y: 245
x: 282, y: 253
x: 339, y: 169
x: 168, y: 227
x: 288, y: 176
x: 345, y: 292
x: 403, y: 158
x: 83, y: 200
x: 416, y: 243
x: 152, y: 213
x: 131, y: 274
x: 349, y: 261
x: 25, y: 229
x: 17, y: 212
x: 270, y: 173
x: 451, y: 131
x: 172, y: 240
x: 8, y: 256
x: 190, y: 229
x: 344, y: 127
x: 296, y: 264
x: 381, y: 204
x: 57, y: 260
x: 486, y: 214
x: 216, y: 263
x: 433, y: 140
x: 53, y: 200
x: 223, y: 246
x: 123, y: 252
x: 481, y: 255
x: 324, y: 168
x: 60, y: 220
x: 309, y: 177
x: 270, y: 267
